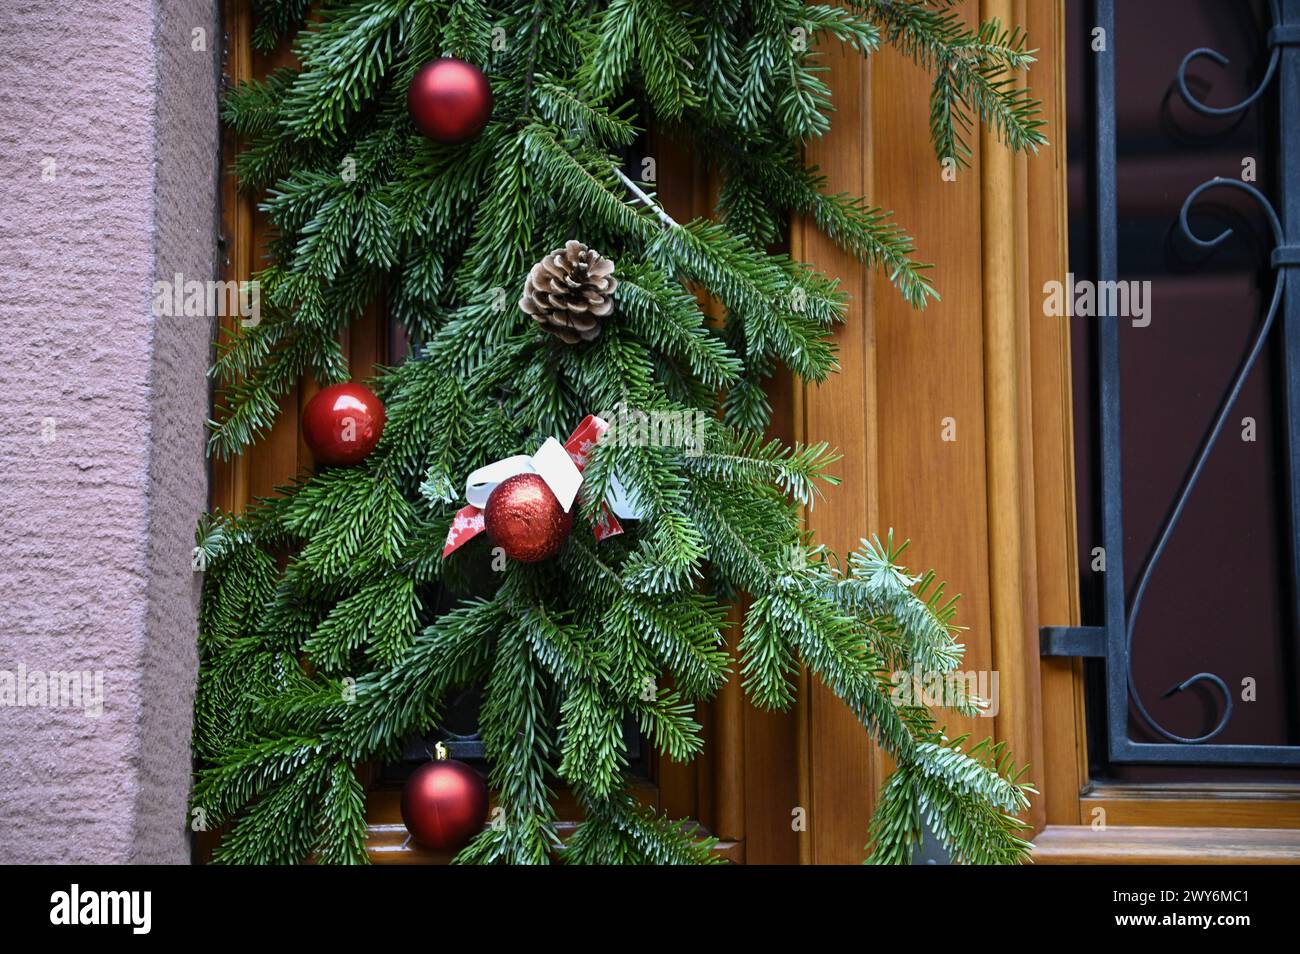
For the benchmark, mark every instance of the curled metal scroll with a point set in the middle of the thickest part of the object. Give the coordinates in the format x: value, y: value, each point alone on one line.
x: 1206, y: 110
x: 1202, y: 455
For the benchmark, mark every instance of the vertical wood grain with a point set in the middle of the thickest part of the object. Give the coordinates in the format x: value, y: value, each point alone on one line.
x: 683, y: 191
x: 280, y: 454
x: 840, y: 766
x: 772, y: 777
x: 930, y: 364
x: 727, y: 795
x: 968, y: 505
x: 1012, y: 573
x: 1064, y: 768
x: 230, y: 477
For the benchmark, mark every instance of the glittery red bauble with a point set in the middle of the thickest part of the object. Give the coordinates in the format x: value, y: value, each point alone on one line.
x: 444, y: 804
x: 525, y: 520
x: 343, y: 423
x: 450, y: 100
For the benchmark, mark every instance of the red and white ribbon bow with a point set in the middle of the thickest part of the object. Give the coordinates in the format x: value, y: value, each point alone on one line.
x: 559, y: 465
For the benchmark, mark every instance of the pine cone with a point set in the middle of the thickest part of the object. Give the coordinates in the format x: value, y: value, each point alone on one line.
x: 570, y: 291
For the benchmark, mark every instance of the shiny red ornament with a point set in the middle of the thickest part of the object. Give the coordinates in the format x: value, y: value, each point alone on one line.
x: 450, y: 100
x: 525, y: 520
x: 444, y: 804
x: 343, y: 423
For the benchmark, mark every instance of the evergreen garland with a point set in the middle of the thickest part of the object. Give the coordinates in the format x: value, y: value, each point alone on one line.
x: 335, y: 654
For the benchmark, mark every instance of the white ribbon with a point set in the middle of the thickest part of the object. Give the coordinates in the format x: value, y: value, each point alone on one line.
x: 624, y: 503
x: 551, y: 462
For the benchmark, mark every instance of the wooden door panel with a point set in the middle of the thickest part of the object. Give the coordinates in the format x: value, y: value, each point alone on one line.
x: 905, y: 375
x: 842, y: 412
x: 1064, y: 756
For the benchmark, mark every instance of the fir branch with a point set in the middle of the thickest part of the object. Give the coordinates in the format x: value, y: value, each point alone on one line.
x: 467, y: 34
x: 247, y: 769
x: 973, y: 74
x: 667, y: 318
x: 342, y: 839
x: 344, y: 56
x: 748, y: 459
x: 618, y: 831
x: 390, y: 703
x: 276, y: 830
x: 274, y: 19
x: 517, y: 738
x: 568, y: 109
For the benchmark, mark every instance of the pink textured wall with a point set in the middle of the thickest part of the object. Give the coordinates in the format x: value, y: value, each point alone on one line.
x: 102, y: 472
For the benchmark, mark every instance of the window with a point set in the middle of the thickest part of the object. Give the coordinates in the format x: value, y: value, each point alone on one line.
x: 1156, y: 356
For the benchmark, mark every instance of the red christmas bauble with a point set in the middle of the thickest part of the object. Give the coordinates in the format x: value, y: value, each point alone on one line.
x: 343, y: 423
x: 444, y: 804
x: 525, y: 520
x: 450, y: 100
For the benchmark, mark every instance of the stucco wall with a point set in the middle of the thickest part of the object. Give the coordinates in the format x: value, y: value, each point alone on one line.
x: 108, y: 152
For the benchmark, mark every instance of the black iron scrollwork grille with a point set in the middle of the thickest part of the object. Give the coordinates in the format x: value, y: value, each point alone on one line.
x: 1113, y: 640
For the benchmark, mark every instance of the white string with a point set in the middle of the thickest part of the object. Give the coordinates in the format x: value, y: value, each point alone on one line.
x: 649, y: 203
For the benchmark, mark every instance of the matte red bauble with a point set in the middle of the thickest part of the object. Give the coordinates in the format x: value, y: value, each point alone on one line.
x: 343, y: 423
x: 444, y: 804
x: 450, y: 100
x: 525, y: 520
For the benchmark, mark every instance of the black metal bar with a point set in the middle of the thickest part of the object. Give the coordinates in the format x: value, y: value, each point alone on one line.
x: 1211, y: 753
x: 1286, y: 35
x: 1084, y: 641
x: 1198, y: 465
x: 1107, y: 331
